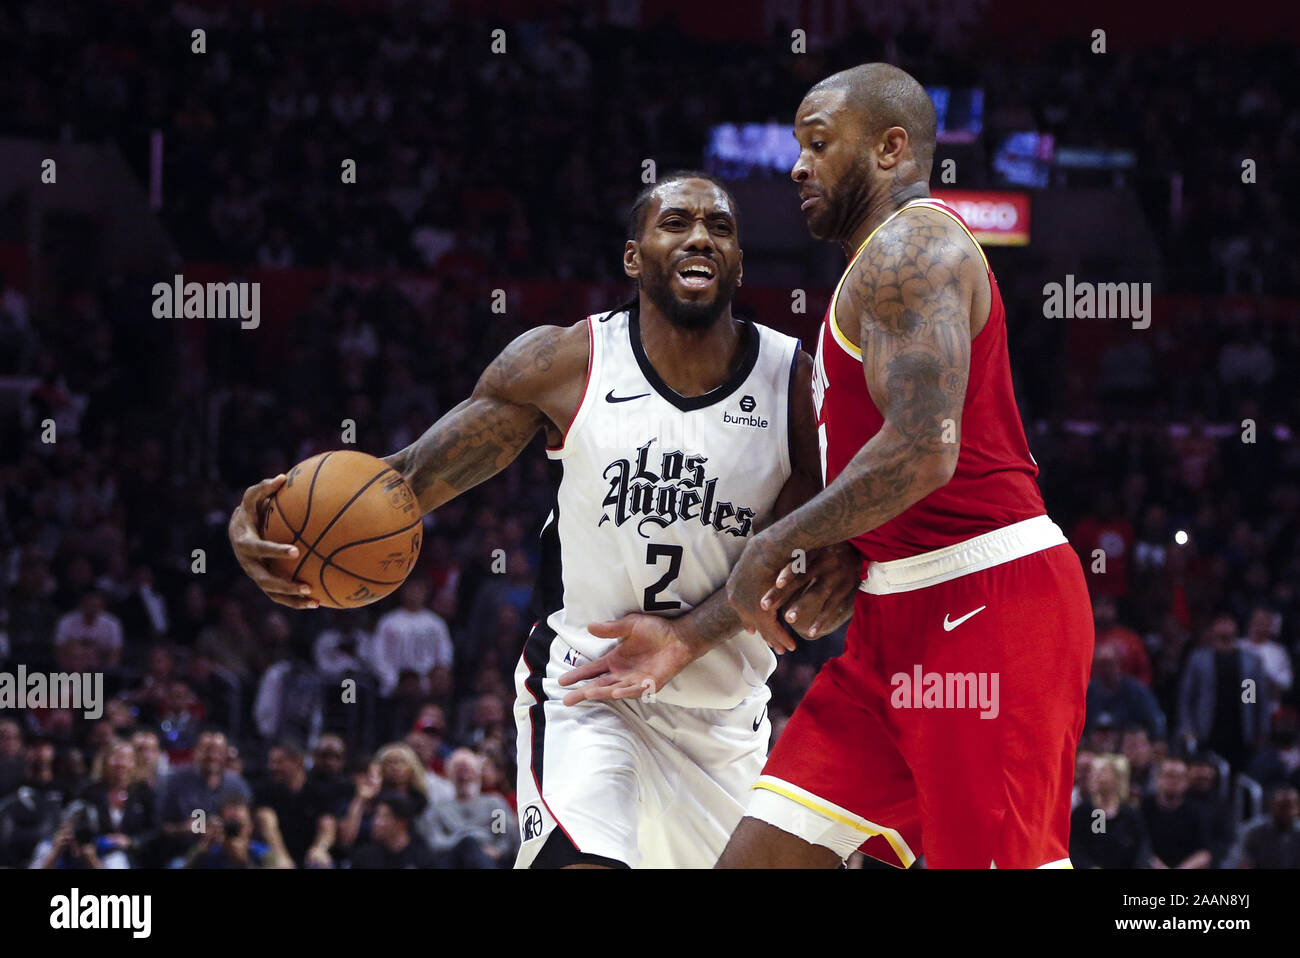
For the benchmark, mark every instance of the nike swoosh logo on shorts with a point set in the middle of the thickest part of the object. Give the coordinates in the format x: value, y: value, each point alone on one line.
x: 949, y: 626
x: 610, y: 397
x: 759, y: 721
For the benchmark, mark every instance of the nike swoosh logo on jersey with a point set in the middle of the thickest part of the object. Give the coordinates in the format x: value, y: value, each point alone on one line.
x: 610, y: 397
x: 949, y: 626
x: 759, y: 721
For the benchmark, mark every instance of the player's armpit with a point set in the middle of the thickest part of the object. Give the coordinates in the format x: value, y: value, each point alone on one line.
x: 534, y: 383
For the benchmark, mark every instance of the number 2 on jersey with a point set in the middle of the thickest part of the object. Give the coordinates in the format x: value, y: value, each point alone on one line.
x: 653, y: 553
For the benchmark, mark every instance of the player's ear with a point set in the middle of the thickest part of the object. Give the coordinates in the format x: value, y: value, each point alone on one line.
x: 892, y: 147
x: 632, y: 259
x: 740, y: 271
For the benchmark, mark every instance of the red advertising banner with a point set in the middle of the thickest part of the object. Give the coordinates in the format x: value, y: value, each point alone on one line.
x: 996, y: 217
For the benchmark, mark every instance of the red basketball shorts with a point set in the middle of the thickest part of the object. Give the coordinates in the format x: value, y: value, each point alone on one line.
x: 948, y: 726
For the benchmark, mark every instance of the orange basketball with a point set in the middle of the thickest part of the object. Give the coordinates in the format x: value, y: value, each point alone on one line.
x: 356, y: 524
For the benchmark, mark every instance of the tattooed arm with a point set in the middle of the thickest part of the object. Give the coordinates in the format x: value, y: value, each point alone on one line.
x: 536, y: 383
x: 908, y: 301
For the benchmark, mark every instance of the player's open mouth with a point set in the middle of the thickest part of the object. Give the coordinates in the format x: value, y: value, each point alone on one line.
x: 697, y: 273
x: 807, y: 204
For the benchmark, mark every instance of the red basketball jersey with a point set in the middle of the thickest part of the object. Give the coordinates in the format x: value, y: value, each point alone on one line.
x: 994, y: 484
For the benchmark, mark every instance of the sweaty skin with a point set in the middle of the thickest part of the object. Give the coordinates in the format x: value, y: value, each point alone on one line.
x: 536, y: 383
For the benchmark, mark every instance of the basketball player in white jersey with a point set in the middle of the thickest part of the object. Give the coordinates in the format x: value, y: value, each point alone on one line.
x: 681, y: 430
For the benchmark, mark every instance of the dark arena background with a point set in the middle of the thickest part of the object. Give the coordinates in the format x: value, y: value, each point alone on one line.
x: 410, y: 185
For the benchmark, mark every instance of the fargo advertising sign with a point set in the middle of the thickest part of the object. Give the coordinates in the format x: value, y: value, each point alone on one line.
x: 996, y: 218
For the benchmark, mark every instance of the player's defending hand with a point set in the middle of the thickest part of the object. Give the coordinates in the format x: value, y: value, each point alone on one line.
x: 252, y: 550
x: 650, y: 654
x: 752, y: 577
x: 816, y: 594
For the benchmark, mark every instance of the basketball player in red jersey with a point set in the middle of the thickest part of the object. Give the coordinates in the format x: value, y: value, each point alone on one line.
x: 949, y: 724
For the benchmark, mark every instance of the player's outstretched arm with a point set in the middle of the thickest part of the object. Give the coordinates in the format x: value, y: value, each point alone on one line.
x: 909, y: 296
x: 534, y: 383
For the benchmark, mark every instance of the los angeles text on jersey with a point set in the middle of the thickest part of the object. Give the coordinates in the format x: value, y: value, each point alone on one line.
x: 679, y: 490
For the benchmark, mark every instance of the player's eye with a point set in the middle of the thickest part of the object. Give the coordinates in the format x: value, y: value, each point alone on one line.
x: 819, y: 145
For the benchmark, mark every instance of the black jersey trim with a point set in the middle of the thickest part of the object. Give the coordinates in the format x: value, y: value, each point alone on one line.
x: 749, y: 344
x: 537, y: 653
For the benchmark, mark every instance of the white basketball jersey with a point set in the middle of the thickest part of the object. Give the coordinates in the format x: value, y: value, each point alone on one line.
x: 660, y: 493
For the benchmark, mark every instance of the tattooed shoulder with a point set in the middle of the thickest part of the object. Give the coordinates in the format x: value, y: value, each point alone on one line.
x: 922, y: 257
x: 544, y: 360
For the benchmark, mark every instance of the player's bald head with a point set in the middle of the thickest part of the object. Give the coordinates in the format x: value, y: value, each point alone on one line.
x: 881, y: 96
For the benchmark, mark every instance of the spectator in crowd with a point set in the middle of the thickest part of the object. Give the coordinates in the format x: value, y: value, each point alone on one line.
x: 1104, y: 540
x: 327, y: 779
x: 1278, y: 762
x: 92, y: 623
x: 476, y: 830
x: 13, y: 763
x: 33, y: 616
x: 1135, y: 743
x: 125, y: 807
x: 414, y: 639
x: 1274, y: 842
x: 295, y: 805
x: 33, y: 812
x: 330, y: 792
x: 143, y: 610
x: 1105, y: 830
x: 1225, y: 703
x: 393, y: 843
x: 431, y: 722
x: 395, y: 768
x: 151, y: 765
x: 438, y: 788
x: 72, y: 845
x: 290, y: 701
x: 1133, y: 659
x: 337, y: 649
x: 1203, y: 790
x: 1260, y: 639
x: 1180, y: 836
x: 1122, y: 698
x: 1083, y: 759
x: 201, y: 787
x: 237, y: 839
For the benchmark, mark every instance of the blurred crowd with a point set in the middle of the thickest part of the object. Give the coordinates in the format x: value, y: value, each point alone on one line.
x: 385, y: 737
x: 256, y: 128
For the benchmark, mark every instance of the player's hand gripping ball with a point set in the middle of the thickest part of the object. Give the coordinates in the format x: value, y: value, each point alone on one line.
x: 356, y: 523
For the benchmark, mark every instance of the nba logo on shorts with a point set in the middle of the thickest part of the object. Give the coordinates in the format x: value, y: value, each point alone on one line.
x: 532, y: 822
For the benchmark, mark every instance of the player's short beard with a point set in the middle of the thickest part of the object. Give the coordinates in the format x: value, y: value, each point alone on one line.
x: 843, y: 208
x: 688, y: 315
